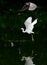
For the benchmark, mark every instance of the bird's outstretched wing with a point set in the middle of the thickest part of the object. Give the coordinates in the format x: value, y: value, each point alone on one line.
x: 28, y: 21
x: 34, y: 22
x: 32, y: 6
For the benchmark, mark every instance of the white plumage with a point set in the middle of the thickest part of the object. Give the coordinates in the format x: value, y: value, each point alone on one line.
x: 28, y: 6
x: 32, y: 6
x: 28, y: 60
x: 29, y: 25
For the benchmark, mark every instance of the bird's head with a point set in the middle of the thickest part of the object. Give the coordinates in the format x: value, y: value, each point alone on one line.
x: 23, y: 58
x: 22, y: 29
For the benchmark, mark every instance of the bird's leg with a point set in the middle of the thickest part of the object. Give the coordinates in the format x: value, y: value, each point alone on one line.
x: 32, y: 38
x: 32, y: 45
x: 32, y: 52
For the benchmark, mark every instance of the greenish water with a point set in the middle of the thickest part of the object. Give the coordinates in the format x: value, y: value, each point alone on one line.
x: 10, y: 24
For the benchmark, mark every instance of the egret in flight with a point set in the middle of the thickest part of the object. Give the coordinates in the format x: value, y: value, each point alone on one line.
x: 28, y: 6
x: 29, y: 25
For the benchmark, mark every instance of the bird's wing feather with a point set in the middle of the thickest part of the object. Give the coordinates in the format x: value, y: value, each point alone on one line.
x: 34, y: 22
x: 28, y: 21
x: 32, y: 6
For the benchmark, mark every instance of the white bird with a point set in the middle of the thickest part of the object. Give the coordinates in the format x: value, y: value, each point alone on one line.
x: 29, y: 25
x: 28, y: 60
x: 28, y: 6
x: 32, y: 6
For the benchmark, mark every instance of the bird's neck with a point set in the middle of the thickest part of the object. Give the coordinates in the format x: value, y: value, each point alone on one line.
x: 23, y: 30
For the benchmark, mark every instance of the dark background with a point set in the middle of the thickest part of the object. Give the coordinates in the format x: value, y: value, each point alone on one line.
x: 10, y: 24
x: 12, y: 2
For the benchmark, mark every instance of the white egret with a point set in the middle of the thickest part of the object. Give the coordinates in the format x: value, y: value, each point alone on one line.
x: 28, y: 6
x: 29, y: 25
x: 28, y: 60
x: 32, y: 6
